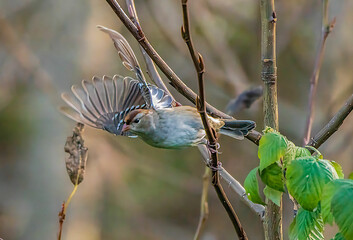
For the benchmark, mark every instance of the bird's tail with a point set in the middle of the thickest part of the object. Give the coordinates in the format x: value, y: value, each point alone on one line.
x: 237, y: 128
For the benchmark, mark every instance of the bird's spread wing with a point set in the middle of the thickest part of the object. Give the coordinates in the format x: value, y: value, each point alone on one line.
x: 104, y: 102
x: 129, y: 60
x: 153, y: 96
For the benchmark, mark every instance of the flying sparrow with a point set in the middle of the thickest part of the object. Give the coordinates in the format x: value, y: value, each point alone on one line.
x: 135, y: 108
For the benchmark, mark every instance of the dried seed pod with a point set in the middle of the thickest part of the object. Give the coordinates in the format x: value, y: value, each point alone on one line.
x: 78, y: 153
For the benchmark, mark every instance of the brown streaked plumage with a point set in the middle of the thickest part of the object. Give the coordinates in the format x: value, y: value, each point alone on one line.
x: 131, y: 116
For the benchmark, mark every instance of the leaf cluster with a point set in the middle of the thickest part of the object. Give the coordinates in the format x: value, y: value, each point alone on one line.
x: 315, y: 183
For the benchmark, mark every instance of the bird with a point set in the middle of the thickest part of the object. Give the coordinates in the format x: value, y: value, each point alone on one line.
x: 134, y: 108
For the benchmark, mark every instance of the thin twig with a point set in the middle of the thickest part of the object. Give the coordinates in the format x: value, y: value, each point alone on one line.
x: 326, y: 29
x: 333, y: 125
x: 175, y: 81
x: 61, y: 220
x: 151, y: 68
x: 204, y: 203
x: 201, y: 106
x: 273, y: 216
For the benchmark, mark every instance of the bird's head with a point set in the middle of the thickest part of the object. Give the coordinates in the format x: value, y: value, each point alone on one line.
x: 138, y: 121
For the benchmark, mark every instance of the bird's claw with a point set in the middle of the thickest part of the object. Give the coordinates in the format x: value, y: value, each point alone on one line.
x: 218, y: 168
x: 213, y: 148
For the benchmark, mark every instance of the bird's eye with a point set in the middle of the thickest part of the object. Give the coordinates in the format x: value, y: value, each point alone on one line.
x: 136, y: 120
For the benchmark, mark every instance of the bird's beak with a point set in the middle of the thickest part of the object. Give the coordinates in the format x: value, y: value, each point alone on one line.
x: 125, y: 128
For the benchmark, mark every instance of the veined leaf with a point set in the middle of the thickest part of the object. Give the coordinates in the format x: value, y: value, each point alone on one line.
x: 342, y: 209
x: 272, y: 147
x: 272, y: 176
x: 307, y: 225
x: 306, y: 178
x: 289, y: 155
x: 252, y: 187
x: 273, y: 195
x: 301, y: 152
x: 293, y: 152
x: 329, y: 191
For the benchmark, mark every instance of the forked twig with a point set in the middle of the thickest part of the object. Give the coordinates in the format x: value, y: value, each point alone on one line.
x: 201, y: 106
x: 326, y: 30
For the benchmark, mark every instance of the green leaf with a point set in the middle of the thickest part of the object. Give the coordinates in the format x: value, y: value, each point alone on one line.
x: 329, y: 191
x: 302, y: 152
x: 272, y: 176
x: 289, y: 155
x: 273, y: 195
x: 338, y: 169
x: 338, y: 236
x: 307, y: 225
x: 342, y: 209
x: 272, y: 147
x: 252, y: 187
x: 306, y: 178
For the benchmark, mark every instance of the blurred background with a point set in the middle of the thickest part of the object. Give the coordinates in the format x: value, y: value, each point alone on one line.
x: 131, y: 190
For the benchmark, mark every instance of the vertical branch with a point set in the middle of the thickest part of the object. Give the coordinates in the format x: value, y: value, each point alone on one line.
x: 326, y: 29
x: 201, y: 106
x: 273, y: 215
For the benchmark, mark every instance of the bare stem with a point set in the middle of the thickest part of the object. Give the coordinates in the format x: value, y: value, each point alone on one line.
x: 175, y: 81
x: 201, y: 106
x: 333, y: 125
x: 204, y: 204
x: 326, y: 29
x: 61, y: 220
x: 273, y: 216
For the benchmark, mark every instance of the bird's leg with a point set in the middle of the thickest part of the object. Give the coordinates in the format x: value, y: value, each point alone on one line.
x: 218, y: 168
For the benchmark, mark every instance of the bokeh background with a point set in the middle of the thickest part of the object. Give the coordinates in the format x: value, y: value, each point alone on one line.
x: 131, y: 190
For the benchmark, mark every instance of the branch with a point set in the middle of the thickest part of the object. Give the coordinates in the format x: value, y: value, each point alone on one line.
x: 175, y: 81
x: 151, y: 68
x: 201, y: 106
x: 333, y: 124
x: 326, y: 29
x: 273, y: 216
